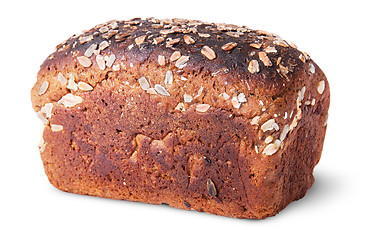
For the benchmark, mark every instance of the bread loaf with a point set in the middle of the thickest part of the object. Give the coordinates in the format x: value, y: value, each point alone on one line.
x: 201, y: 116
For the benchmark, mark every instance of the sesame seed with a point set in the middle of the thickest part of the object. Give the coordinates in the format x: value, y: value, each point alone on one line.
x: 188, y: 39
x: 103, y: 45
x: 188, y: 98
x: 110, y: 60
x: 161, y: 60
x: 253, y: 66
x: 265, y: 59
x: 56, y: 128
x: 143, y: 82
x: 84, y: 86
x: 161, y: 90
x: 139, y: 40
x: 62, y: 79
x: 235, y: 102
x: 321, y: 86
x: 229, y: 46
x: 84, y: 61
x: 70, y: 100
x: 168, y: 77
x: 100, y: 62
x: 208, y: 52
x: 90, y: 50
x: 202, y: 107
x: 175, y: 55
x: 43, y: 88
x: 182, y: 61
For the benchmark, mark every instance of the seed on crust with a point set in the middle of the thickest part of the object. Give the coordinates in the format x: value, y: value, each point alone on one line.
x: 84, y: 39
x: 235, y: 102
x: 188, y: 39
x: 103, y: 45
x: 312, y: 68
x: 175, y: 55
x: 253, y: 66
x: 212, y: 191
x: 168, y: 77
x: 70, y: 100
x: 270, y: 49
x: 161, y: 60
x: 255, y: 120
x: 269, y: 125
x: 151, y: 91
x: 171, y: 42
x: 268, y: 139
x: 229, y: 46
x: 321, y: 86
x: 265, y: 59
x: 302, y: 57
x: 43, y: 88
x: 71, y: 83
x: 139, y: 40
x: 281, y: 43
x: 255, y: 45
x: 110, y: 60
x: 182, y: 61
x: 62, y: 79
x: 84, y: 61
x: 205, y: 35
x: 161, y: 90
x: 272, y: 148
x: 188, y: 98
x: 284, y: 132
x: 47, y: 109
x: 56, y: 128
x: 241, y: 98
x: 100, y: 62
x: 143, y: 82
x: 208, y: 52
x: 158, y: 40
x: 84, y: 86
x: 90, y: 50
x: 202, y: 107
x: 180, y: 107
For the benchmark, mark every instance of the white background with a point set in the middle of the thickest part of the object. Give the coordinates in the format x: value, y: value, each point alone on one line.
x: 332, y: 32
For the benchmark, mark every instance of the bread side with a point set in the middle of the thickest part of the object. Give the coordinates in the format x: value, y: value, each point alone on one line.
x: 211, y: 117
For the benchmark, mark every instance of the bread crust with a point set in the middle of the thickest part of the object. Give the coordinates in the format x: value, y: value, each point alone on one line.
x: 211, y: 117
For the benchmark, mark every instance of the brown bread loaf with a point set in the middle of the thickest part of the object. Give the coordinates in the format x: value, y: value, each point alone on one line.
x: 211, y: 117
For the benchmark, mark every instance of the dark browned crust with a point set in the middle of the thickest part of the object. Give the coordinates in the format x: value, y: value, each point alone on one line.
x: 124, y: 143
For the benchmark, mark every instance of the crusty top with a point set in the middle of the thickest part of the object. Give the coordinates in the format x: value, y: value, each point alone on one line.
x: 260, y: 58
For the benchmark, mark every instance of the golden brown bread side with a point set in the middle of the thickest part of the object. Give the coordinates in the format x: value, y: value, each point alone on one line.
x: 211, y: 117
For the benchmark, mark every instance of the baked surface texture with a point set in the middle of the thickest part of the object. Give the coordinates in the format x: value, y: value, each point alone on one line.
x: 201, y: 116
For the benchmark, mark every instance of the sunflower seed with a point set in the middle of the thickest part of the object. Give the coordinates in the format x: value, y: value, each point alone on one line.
x: 62, y: 79
x: 188, y: 39
x: 168, y: 77
x: 321, y: 86
x: 212, y: 191
x: 84, y: 61
x: 229, y: 46
x: 175, y: 55
x: 253, y: 66
x: 181, y: 62
x: 208, y: 52
x: 43, y: 88
x: 100, y: 61
x: 70, y: 100
x: 144, y: 83
x: 84, y: 86
x: 161, y: 90
x: 202, y: 107
x: 90, y: 50
x: 56, y: 128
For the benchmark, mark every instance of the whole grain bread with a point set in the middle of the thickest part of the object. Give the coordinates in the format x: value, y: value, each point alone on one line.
x: 211, y: 117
